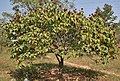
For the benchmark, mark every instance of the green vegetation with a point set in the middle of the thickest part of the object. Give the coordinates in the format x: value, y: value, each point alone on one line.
x: 59, y: 31
x: 54, y: 31
x: 107, y: 14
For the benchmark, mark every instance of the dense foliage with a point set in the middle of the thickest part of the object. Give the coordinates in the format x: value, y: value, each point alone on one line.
x: 107, y: 14
x: 50, y: 29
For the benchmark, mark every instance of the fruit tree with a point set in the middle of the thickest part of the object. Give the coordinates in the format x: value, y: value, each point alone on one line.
x: 65, y: 33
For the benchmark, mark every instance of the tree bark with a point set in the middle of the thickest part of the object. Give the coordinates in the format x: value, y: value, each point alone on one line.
x: 61, y: 62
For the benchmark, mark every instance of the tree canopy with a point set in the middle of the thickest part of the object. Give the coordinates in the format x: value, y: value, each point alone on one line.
x: 63, y: 32
x: 60, y: 31
x: 107, y: 14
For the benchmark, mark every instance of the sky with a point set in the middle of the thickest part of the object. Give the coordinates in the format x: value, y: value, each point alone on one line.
x: 89, y: 6
x: 5, y: 6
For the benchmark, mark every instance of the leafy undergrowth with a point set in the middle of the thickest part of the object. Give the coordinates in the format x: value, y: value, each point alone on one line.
x: 49, y: 72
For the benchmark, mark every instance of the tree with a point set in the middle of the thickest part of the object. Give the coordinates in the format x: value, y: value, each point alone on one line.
x: 6, y: 16
x: 29, y: 3
x: 33, y: 3
x: 107, y: 14
x: 59, y: 31
x: 26, y: 4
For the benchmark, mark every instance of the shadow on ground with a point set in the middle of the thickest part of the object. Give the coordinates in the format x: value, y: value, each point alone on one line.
x: 49, y: 72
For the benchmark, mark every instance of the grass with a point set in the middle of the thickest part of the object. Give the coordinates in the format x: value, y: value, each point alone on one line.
x: 112, y: 78
x: 4, y: 79
x: 6, y: 64
x: 112, y: 66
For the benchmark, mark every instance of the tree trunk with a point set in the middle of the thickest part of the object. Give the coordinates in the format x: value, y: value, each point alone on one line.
x: 0, y: 48
x: 61, y: 62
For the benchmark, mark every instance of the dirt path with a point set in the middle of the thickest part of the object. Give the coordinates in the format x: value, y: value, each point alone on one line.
x: 88, y: 68
x: 7, y: 73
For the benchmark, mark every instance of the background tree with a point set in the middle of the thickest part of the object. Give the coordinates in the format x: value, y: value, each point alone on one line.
x: 107, y: 14
x: 38, y: 3
x: 24, y: 5
x: 7, y: 16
